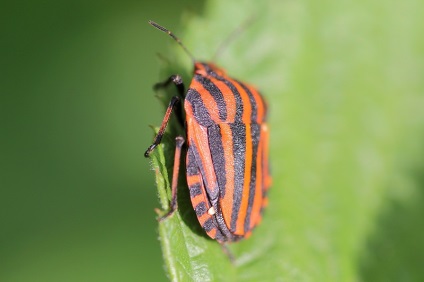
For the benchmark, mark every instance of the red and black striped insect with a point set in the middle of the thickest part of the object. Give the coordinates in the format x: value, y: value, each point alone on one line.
x: 227, y: 149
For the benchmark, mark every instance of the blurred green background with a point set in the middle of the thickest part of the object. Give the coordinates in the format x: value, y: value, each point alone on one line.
x: 77, y: 195
x: 344, y: 77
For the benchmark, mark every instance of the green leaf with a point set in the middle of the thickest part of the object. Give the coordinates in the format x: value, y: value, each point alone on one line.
x: 344, y: 106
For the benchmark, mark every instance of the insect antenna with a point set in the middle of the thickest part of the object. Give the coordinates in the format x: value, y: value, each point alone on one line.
x: 167, y: 31
x: 224, y: 44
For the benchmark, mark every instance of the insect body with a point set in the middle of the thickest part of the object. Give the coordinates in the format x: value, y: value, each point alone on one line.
x: 227, y: 150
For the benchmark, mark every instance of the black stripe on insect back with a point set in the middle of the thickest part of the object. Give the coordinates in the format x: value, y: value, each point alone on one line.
x: 209, y: 225
x: 254, y: 114
x: 239, y: 151
x: 201, y: 209
x: 192, y: 168
x: 200, y: 112
x: 235, y: 92
x: 216, y: 94
x: 195, y: 190
x: 255, y: 134
x: 207, y: 68
x: 217, y: 154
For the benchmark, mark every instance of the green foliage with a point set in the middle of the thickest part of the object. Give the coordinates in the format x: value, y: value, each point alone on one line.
x: 344, y: 84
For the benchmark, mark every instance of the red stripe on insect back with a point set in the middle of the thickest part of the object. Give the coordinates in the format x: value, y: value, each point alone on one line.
x: 257, y: 201
x: 227, y: 196
x: 247, y: 107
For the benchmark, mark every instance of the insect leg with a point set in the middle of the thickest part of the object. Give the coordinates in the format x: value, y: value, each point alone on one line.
x: 173, y: 205
x: 228, y: 252
x: 178, y: 81
x: 159, y: 136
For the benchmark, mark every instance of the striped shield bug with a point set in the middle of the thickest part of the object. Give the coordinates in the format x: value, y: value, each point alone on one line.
x: 226, y: 149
